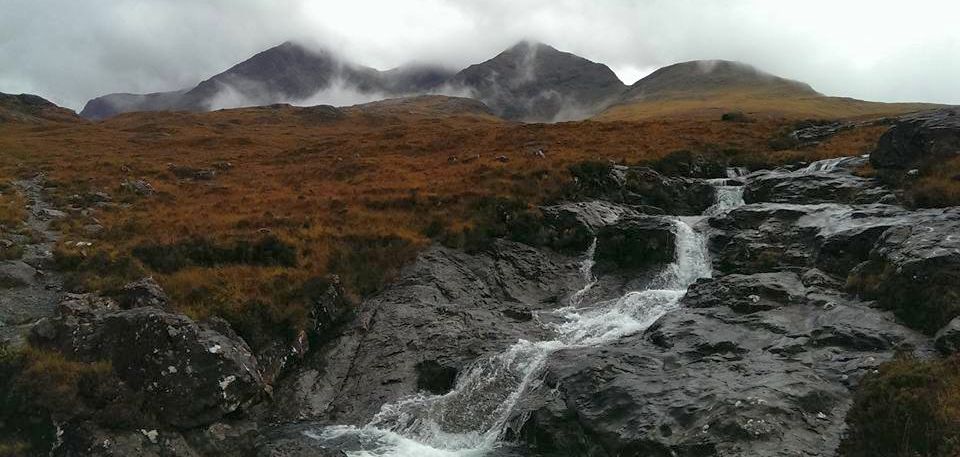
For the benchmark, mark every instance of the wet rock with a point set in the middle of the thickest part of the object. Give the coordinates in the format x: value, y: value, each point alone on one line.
x: 761, y: 238
x: 947, y: 340
x: 814, y: 188
x: 98, y: 197
x: 141, y: 293
x: 139, y: 187
x: 435, y: 378
x: 293, y: 443
x: 914, y: 270
x: 86, y: 439
x: 840, y: 252
x: 919, y: 138
x: 188, y: 373
x: 222, y: 438
x: 817, y: 132
x: 707, y: 379
x: 641, y: 186
x: 635, y: 243
x: 573, y: 226
x: 331, y: 306
x: 678, y: 196
x: 50, y: 213
x: 747, y: 293
x: 447, y: 309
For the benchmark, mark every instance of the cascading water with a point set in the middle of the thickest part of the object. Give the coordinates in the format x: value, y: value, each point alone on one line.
x: 824, y: 166
x: 471, y: 418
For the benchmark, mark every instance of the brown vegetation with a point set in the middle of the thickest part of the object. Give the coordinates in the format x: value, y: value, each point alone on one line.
x: 910, y: 408
x: 357, y: 193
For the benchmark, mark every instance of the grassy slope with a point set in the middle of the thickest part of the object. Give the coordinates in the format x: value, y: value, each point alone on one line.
x: 757, y: 103
x: 356, y: 196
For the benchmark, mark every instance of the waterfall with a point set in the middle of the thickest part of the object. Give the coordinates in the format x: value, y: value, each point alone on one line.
x: 471, y: 418
x: 736, y: 172
x: 824, y: 166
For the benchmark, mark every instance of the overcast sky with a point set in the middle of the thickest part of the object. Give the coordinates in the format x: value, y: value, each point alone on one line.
x: 70, y: 51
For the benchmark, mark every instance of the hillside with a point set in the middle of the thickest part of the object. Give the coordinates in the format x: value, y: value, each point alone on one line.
x: 711, y: 88
x: 27, y: 108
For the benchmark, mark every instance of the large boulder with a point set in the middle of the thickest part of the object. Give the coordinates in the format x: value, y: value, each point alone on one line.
x: 143, y: 292
x: 642, y: 187
x: 708, y: 379
x: 678, y: 196
x: 914, y: 270
x: 636, y: 243
x: 573, y: 226
x: 919, y: 138
x: 947, y: 340
x: 189, y: 373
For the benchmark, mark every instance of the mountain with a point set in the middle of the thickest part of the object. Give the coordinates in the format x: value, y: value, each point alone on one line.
x: 27, y: 108
x: 414, y: 79
x: 285, y: 73
x: 529, y: 81
x: 709, y: 88
x: 535, y: 82
x: 112, y: 104
x: 700, y: 77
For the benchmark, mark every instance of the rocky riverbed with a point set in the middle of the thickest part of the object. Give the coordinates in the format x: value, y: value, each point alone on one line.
x: 663, y: 316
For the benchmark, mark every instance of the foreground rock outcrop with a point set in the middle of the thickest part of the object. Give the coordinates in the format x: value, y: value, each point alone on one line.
x: 919, y: 139
x: 749, y: 365
x: 190, y: 374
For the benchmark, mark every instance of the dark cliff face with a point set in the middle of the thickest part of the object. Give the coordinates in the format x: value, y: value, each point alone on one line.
x: 704, y: 76
x: 535, y: 82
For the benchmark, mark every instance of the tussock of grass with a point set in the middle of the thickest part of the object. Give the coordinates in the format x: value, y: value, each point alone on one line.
x: 910, y: 408
x: 12, y: 207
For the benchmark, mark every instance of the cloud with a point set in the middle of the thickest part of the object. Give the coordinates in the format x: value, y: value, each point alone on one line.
x: 71, y: 51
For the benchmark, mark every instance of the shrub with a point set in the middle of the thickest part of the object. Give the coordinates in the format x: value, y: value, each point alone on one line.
x: 100, y: 270
x: 366, y: 263
x: 12, y: 205
x: 735, y: 116
x: 39, y: 388
x: 910, y: 408
x: 168, y: 258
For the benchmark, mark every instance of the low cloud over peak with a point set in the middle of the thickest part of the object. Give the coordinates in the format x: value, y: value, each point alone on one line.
x: 72, y: 51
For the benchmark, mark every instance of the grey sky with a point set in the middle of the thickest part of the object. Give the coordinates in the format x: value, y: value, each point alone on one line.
x: 70, y: 51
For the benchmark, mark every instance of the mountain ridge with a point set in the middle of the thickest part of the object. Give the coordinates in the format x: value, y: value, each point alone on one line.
x: 528, y: 82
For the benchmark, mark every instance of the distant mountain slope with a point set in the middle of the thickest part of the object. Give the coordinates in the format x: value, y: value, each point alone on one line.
x: 529, y: 81
x: 709, y: 88
x: 113, y: 104
x: 704, y: 76
x: 535, y: 82
x: 426, y: 106
x: 27, y: 108
x: 288, y: 73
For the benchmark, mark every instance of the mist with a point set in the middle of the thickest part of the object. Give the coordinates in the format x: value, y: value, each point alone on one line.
x: 70, y: 51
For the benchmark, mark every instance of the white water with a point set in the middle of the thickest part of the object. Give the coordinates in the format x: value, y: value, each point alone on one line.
x: 826, y: 165
x: 470, y: 419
